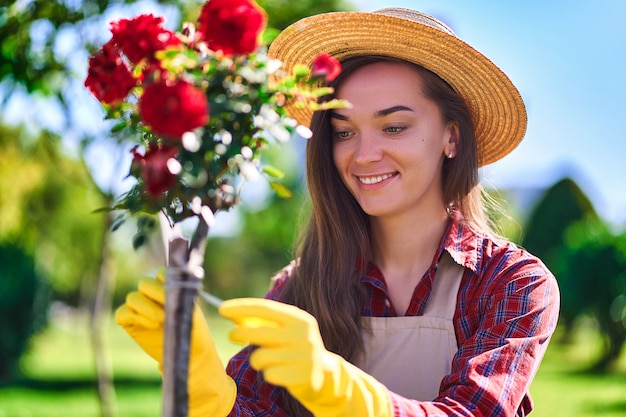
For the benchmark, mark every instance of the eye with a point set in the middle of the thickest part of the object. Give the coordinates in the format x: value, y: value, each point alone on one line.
x: 342, y: 134
x: 394, y: 129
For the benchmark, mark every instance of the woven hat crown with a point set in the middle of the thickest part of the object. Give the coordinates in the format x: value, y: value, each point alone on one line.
x: 496, y: 107
x: 415, y: 16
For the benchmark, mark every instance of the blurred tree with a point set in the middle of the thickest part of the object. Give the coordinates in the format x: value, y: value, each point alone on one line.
x: 47, y: 242
x: 562, y: 205
x: 30, y: 33
x: 282, y: 13
x: 592, y: 264
x: 45, y: 202
x: 47, y: 199
x: 23, y: 307
x: 589, y: 263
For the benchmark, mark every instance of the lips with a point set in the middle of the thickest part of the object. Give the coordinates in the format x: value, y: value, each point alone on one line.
x: 374, y: 179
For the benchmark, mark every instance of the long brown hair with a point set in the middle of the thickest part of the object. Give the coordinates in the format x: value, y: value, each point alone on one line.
x: 333, y: 249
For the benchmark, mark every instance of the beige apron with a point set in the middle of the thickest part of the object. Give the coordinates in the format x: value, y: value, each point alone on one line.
x: 410, y: 355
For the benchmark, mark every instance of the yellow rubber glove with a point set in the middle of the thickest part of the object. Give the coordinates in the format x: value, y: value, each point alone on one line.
x: 291, y: 354
x: 211, y: 391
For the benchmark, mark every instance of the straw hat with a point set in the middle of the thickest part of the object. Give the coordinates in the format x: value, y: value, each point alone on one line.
x: 495, y: 104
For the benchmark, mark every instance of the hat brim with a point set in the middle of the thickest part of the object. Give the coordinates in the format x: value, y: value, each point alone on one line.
x: 495, y: 104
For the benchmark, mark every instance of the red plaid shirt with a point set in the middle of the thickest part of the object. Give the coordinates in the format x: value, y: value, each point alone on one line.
x: 507, y: 309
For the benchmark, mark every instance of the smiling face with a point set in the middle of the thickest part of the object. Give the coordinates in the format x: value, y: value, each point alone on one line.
x: 389, y: 147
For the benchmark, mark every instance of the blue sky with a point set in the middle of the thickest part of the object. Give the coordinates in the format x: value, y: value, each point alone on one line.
x: 568, y: 59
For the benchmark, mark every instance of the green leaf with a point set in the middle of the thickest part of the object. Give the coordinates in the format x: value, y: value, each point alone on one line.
x: 324, y: 91
x: 103, y: 210
x: 336, y: 104
x: 280, y: 190
x: 300, y: 71
x: 119, y: 221
x: 119, y: 127
x: 139, y: 240
x: 273, y: 172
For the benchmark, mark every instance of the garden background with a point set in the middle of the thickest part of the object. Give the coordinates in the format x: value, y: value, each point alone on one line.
x: 62, y: 271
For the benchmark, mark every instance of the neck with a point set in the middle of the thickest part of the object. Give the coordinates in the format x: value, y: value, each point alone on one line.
x: 405, y: 246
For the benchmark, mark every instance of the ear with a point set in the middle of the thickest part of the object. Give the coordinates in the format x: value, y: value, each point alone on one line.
x: 452, y: 140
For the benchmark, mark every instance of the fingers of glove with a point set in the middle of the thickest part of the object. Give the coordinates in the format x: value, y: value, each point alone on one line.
x: 299, y: 360
x: 288, y: 367
x: 146, y: 309
x: 284, y: 376
x: 155, y: 291
x: 152, y: 289
x: 263, y: 335
x: 242, y: 309
x: 126, y: 317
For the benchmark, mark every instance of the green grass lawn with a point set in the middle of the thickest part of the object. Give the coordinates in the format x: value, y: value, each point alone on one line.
x: 563, y: 388
x: 60, y: 377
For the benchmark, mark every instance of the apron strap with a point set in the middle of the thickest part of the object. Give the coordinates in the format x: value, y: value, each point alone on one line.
x: 443, y: 295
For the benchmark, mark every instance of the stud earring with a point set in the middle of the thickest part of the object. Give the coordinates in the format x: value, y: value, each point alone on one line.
x: 450, y: 155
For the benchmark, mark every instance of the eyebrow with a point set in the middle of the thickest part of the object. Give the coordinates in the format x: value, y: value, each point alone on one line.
x: 386, y: 112
x: 380, y: 113
x: 335, y: 115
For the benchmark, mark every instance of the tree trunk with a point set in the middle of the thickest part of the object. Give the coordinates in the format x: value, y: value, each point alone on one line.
x: 100, y: 323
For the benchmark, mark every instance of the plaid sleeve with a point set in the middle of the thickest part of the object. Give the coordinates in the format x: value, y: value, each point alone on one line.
x: 255, y: 397
x: 506, y: 313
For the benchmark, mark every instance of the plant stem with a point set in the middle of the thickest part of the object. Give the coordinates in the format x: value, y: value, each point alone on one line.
x: 184, y: 278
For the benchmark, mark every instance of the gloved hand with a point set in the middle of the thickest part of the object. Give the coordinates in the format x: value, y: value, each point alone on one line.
x: 291, y: 354
x: 211, y: 391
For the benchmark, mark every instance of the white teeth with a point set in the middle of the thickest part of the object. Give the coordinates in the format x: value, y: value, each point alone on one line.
x: 374, y: 180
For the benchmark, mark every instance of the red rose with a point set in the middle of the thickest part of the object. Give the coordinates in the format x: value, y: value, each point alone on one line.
x: 172, y: 110
x: 153, y: 168
x: 325, y: 66
x: 108, y: 77
x: 231, y: 26
x: 142, y: 36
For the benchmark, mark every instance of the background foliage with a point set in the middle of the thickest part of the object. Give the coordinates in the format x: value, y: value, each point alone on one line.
x: 588, y: 260
x: 20, y: 312
x: 56, y: 246
x: 46, y: 210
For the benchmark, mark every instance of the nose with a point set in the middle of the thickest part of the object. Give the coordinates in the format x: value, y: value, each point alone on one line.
x: 368, y: 149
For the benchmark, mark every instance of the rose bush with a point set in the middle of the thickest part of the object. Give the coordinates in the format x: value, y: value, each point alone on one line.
x: 200, y: 105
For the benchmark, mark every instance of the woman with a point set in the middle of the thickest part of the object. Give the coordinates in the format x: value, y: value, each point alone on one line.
x: 402, y: 300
